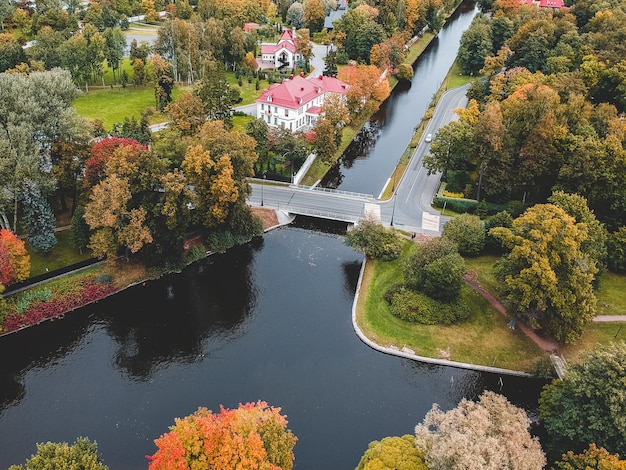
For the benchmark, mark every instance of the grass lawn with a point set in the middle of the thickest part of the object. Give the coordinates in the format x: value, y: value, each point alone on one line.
x: 112, y: 105
x: 456, y: 79
x: 63, y: 254
x: 611, y: 301
x: 248, y: 91
x: 499, y: 345
x: 240, y: 122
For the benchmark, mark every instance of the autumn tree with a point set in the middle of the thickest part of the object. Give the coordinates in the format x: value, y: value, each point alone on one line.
x: 367, y: 90
x: 546, y: 277
x: 81, y: 455
x: 325, y: 141
x: 187, y: 113
x: 314, y: 15
x: 14, y: 260
x: 164, y: 81
x: 376, y: 241
x: 488, y: 434
x: 101, y: 152
x: 361, y: 31
x: 589, y: 404
x: 114, y: 225
x: 591, y: 458
x: 391, y: 453
x: 254, y: 435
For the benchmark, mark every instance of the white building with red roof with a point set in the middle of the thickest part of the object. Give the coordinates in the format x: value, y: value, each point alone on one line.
x: 283, y: 53
x: 554, y: 4
x: 296, y: 103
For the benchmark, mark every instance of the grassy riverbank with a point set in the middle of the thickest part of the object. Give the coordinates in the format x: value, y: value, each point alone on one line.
x: 485, y: 338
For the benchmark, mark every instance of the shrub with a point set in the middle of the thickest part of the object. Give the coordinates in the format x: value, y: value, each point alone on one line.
x: 374, y: 240
x: 413, y: 306
x: 29, y: 297
x: 616, y: 247
x: 104, y: 278
x: 196, y: 253
x: 424, y: 254
x: 444, y: 277
x: 468, y: 232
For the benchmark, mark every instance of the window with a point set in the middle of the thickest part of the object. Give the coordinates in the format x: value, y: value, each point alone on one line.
x: 286, y: 113
x: 262, y: 106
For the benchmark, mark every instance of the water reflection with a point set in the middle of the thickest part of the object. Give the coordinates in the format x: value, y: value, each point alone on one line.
x: 369, y: 160
x: 211, y: 299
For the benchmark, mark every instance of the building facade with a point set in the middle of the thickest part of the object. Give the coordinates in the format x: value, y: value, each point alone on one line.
x: 296, y: 103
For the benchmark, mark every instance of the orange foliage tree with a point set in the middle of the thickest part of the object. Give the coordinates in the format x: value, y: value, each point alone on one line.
x: 367, y: 89
x: 14, y: 260
x: 253, y: 436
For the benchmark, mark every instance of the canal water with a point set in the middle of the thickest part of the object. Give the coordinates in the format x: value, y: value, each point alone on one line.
x: 267, y: 321
x: 371, y: 157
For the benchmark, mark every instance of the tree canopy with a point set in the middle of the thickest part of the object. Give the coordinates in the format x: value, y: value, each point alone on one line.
x: 255, y: 435
x: 488, y: 434
x: 589, y: 404
x: 546, y: 276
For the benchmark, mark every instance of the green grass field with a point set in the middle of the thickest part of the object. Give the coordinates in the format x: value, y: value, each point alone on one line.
x: 611, y: 301
x: 63, y: 254
x: 499, y: 346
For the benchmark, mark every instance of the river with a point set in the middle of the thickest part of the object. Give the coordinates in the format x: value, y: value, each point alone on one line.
x: 368, y: 161
x: 267, y: 321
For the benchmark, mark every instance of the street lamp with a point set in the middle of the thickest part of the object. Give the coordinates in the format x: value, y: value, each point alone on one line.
x: 263, y: 186
x: 393, y: 209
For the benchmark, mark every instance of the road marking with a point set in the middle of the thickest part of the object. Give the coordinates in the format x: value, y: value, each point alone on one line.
x: 430, y: 222
x: 413, y: 185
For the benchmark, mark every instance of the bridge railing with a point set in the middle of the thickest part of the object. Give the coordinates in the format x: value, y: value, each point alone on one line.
x: 333, y: 191
x: 321, y: 214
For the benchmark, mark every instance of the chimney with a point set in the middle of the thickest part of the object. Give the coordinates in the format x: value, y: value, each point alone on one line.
x: 302, y: 74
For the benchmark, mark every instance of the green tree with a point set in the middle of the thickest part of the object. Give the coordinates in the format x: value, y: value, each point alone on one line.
x: 616, y: 247
x: 475, y: 46
x: 79, y: 229
x: 330, y: 69
x: 392, y: 453
x: 443, y: 278
x: 489, y: 434
x: 424, y: 254
x: 468, y: 232
x: 295, y: 15
x: 589, y: 403
x: 81, y: 455
x: 115, y: 43
x: 216, y: 94
x: 546, y: 277
x: 38, y: 218
x: 36, y: 112
x: 576, y: 206
x: 377, y: 242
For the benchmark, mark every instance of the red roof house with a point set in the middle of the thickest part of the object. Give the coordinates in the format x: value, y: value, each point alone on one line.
x: 283, y: 53
x: 296, y: 103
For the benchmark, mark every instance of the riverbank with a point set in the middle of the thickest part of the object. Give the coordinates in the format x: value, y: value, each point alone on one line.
x: 53, y: 298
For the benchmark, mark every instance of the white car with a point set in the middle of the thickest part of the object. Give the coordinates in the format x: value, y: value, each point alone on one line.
x: 428, y: 138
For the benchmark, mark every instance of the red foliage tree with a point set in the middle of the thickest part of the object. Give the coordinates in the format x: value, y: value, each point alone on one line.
x: 253, y: 436
x: 14, y: 260
x: 95, y: 166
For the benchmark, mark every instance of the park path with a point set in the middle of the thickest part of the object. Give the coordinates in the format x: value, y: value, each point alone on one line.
x: 544, y: 343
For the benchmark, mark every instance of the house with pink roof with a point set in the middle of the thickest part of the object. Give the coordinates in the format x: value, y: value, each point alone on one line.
x: 554, y: 4
x: 283, y: 53
x: 296, y: 103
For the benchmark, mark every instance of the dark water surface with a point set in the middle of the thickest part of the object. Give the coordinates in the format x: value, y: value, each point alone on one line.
x: 369, y: 160
x: 268, y: 321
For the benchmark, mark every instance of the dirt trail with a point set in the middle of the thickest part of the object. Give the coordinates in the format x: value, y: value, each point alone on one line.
x: 545, y: 344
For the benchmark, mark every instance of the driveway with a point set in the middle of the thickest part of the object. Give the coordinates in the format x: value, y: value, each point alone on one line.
x: 317, y: 61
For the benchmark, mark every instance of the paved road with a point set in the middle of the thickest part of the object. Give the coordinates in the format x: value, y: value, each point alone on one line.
x: 416, y: 189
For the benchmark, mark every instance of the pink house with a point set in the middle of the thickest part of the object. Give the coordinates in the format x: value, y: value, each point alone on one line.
x: 283, y: 53
x: 296, y: 103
